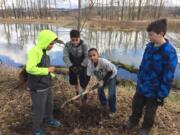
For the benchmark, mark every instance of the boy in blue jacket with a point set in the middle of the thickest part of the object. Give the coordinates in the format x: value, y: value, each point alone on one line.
x: 155, y: 77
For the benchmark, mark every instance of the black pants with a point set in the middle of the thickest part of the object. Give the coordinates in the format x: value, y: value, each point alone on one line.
x: 81, y: 74
x: 150, y: 104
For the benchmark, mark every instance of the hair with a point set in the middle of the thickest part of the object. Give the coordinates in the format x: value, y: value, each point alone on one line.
x: 74, y: 34
x: 158, y: 26
x: 92, y: 49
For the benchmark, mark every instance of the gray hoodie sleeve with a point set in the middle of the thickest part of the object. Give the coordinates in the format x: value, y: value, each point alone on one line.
x: 66, y: 56
x: 85, y: 61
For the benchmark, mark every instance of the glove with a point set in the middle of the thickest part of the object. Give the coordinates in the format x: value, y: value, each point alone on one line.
x: 81, y: 68
x: 160, y: 101
x: 58, y: 77
x: 74, y: 69
x: 101, y: 83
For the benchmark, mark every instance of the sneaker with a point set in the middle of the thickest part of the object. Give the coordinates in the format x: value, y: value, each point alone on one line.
x: 103, y: 107
x: 144, y: 132
x: 39, y: 132
x: 128, y: 125
x: 54, y: 123
x: 112, y: 115
x: 84, y: 98
x: 77, y: 93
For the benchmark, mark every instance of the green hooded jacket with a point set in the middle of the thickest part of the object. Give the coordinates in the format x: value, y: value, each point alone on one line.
x: 45, y: 37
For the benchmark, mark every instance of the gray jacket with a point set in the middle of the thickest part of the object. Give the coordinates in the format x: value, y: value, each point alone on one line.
x: 70, y: 52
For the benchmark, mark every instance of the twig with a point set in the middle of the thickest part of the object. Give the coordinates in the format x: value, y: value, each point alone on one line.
x: 92, y: 4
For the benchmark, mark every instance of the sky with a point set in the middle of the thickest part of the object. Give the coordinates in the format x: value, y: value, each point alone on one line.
x: 74, y: 3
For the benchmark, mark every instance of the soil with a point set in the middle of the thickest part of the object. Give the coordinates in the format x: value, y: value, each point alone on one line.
x: 77, y: 119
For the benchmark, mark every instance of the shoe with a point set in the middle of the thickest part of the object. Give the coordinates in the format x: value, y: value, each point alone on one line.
x: 39, y: 132
x: 112, y: 115
x: 103, y: 107
x: 84, y: 99
x: 129, y: 125
x: 77, y: 93
x: 54, y: 123
x: 144, y: 132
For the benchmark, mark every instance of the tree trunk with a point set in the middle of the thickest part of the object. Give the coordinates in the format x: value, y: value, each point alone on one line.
x: 122, y: 10
x: 160, y: 8
x: 79, y: 15
x: 139, y: 10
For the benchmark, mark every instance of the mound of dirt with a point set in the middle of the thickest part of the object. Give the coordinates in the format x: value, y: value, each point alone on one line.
x: 89, y: 119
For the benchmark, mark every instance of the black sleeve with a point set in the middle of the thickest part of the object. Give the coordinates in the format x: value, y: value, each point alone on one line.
x: 108, y: 75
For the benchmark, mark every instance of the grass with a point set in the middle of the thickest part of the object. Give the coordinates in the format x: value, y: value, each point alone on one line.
x: 175, y: 97
x: 127, y: 67
x: 95, y: 23
x: 15, y: 111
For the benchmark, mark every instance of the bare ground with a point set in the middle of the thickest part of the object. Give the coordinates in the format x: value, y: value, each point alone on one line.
x: 15, y: 111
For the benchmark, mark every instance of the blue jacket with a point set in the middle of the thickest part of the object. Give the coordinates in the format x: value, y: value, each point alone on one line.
x: 156, y: 72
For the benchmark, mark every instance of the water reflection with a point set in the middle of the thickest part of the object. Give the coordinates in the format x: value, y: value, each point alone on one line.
x: 118, y: 46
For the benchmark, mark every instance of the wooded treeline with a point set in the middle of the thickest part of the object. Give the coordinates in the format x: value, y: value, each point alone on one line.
x: 104, y: 9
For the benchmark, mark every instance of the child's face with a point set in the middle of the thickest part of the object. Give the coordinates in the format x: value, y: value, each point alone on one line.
x: 93, y: 56
x: 154, y: 37
x: 75, y: 41
x: 51, y: 45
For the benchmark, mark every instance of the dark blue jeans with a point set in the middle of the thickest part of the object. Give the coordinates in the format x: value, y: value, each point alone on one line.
x: 111, y: 83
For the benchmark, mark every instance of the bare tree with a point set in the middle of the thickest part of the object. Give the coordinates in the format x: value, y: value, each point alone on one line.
x: 122, y: 11
x: 160, y: 8
x: 5, y: 8
x: 55, y: 3
x: 79, y: 15
x: 129, y: 9
x: 112, y: 10
x: 139, y: 10
x: 13, y: 8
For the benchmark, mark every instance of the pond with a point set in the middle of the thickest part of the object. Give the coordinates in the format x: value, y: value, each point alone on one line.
x: 118, y: 46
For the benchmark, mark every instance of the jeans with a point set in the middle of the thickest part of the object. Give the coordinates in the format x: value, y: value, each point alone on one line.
x: 111, y: 83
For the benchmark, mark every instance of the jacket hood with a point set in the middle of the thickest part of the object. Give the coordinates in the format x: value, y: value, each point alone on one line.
x: 45, y: 37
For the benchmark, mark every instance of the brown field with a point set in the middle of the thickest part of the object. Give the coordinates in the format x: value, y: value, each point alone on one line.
x: 98, y: 24
x: 15, y: 111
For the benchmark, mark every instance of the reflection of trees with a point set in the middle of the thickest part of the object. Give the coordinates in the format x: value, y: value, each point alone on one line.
x: 144, y: 39
x: 135, y: 41
x: 22, y: 33
x: 7, y: 32
x: 105, y: 41
x: 174, y: 38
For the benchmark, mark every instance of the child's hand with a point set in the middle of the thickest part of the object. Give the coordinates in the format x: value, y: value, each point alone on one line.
x: 51, y: 69
x: 81, y: 68
x: 74, y: 69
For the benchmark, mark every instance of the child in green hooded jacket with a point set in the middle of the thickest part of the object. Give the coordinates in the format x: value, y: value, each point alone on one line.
x: 39, y: 81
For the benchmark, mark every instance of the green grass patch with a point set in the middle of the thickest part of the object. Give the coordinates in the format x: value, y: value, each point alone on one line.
x: 174, y: 97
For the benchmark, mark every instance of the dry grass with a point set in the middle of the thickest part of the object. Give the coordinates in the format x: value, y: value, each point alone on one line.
x: 95, y: 23
x: 15, y: 111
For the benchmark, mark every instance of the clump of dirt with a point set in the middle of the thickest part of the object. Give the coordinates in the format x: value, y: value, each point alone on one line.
x: 88, y: 119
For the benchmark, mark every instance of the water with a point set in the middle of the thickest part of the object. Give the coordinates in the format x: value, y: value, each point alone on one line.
x: 117, y: 46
